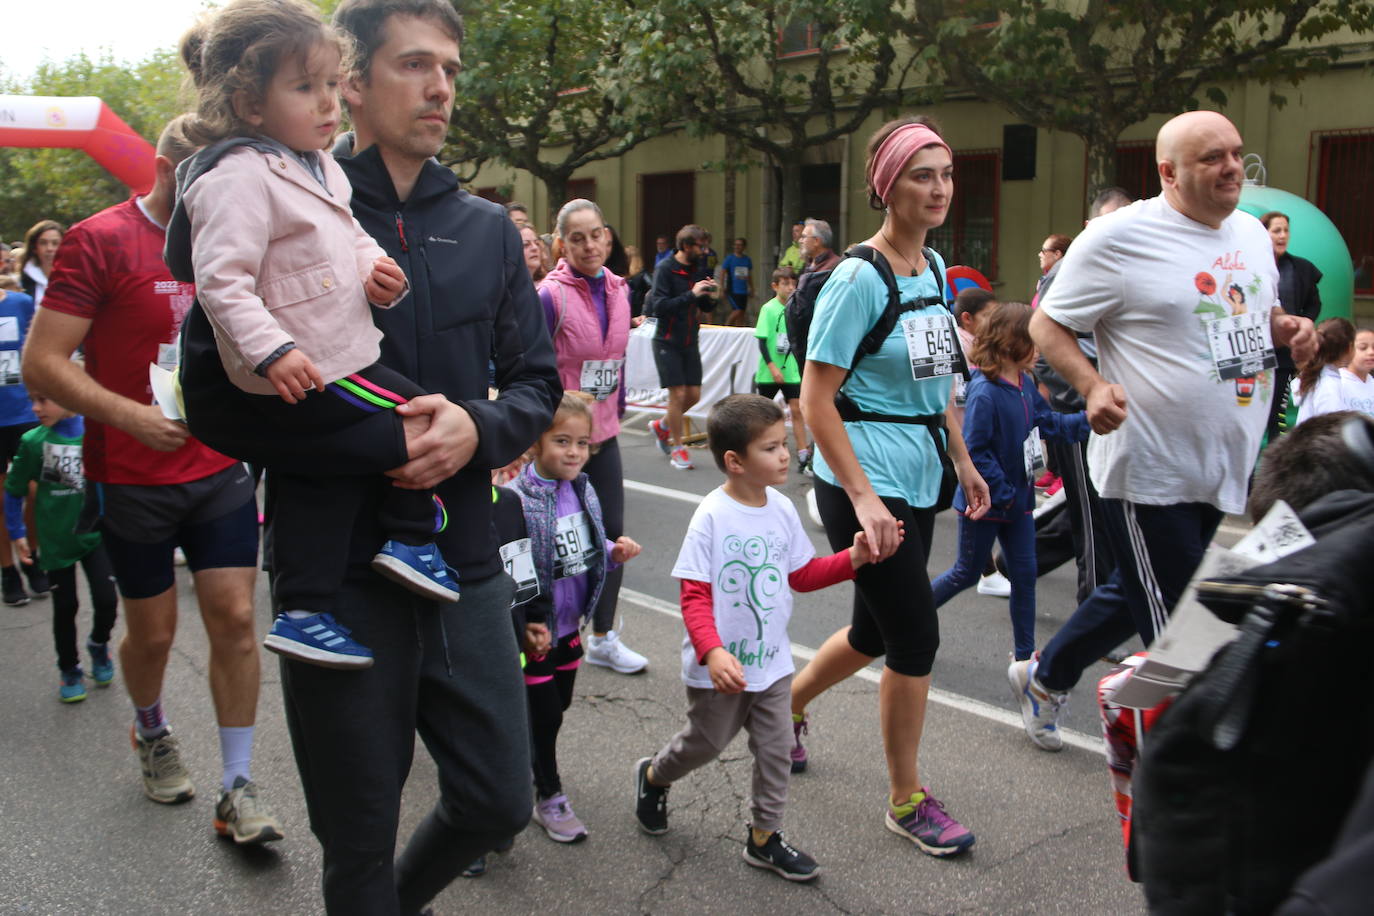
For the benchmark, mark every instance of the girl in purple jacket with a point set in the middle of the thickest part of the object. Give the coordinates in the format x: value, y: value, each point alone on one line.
x: 571, y: 558
x: 1004, y: 417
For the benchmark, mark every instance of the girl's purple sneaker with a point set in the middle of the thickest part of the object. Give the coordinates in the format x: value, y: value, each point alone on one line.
x: 924, y: 822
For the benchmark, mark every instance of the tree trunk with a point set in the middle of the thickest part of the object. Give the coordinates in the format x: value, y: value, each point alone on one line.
x: 556, y: 186
x: 789, y: 209
x: 1101, y: 166
x: 731, y: 154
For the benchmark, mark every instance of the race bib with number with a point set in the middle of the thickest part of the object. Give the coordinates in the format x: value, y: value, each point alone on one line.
x: 167, y: 356
x: 932, y: 346
x: 1241, y: 345
x: 601, y: 377
x: 9, y: 368
x: 782, y: 344
x: 518, y: 557
x: 1034, y: 452
x: 741, y: 272
x: 62, y: 466
x: 574, y: 546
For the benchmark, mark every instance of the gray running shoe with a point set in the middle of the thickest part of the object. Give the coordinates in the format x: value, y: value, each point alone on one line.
x: 241, y: 815
x: 165, y: 780
x: 1040, y: 708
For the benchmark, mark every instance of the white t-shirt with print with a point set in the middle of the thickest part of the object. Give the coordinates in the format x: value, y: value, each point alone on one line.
x: 1325, y: 396
x: 746, y: 554
x: 1356, y: 394
x: 1147, y: 280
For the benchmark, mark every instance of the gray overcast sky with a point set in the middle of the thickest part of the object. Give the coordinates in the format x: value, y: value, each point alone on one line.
x: 130, y: 30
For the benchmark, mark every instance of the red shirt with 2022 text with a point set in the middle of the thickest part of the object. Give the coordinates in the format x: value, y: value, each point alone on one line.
x: 110, y: 270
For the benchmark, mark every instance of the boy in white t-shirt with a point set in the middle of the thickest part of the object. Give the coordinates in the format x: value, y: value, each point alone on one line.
x: 744, y: 551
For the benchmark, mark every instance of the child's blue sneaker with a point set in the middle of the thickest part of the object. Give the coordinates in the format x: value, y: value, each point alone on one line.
x: 317, y: 640
x: 421, y: 569
x: 102, y: 666
x: 73, y: 689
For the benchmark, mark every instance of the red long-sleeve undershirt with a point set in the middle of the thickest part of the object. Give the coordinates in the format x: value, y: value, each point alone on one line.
x: 698, y: 608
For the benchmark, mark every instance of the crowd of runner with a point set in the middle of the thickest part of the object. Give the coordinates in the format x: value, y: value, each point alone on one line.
x: 434, y: 393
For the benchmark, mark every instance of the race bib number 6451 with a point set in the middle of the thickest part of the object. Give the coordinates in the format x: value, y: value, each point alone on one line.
x: 932, y: 346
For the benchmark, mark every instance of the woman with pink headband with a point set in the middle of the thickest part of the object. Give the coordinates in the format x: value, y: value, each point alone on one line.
x: 879, y: 468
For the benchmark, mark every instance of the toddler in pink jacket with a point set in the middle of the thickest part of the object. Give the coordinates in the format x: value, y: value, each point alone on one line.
x: 285, y: 275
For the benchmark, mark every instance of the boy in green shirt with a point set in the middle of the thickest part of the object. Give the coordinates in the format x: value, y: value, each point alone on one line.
x: 778, y: 369
x: 50, y: 455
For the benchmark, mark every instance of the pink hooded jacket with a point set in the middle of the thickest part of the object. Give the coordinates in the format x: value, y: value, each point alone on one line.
x: 279, y: 259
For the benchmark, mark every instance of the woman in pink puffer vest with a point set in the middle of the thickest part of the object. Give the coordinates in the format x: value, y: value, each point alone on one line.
x: 588, y: 312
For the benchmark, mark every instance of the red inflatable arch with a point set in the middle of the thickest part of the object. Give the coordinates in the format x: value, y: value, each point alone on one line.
x: 84, y: 123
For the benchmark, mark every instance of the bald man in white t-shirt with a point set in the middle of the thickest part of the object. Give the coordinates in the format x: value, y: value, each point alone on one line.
x: 1181, y: 293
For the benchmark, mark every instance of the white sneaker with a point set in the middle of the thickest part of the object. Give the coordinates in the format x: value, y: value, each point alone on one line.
x: 996, y: 585
x: 1040, y: 709
x: 609, y: 652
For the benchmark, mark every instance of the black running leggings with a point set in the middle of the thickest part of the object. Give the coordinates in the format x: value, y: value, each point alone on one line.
x: 894, y: 611
x: 100, y: 579
x: 549, y: 685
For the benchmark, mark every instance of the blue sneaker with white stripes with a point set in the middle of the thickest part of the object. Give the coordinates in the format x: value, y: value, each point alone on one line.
x: 317, y: 640
x: 421, y: 569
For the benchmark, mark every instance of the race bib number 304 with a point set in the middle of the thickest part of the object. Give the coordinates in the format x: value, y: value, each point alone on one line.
x: 932, y: 346
x: 1241, y: 345
x: 601, y: 377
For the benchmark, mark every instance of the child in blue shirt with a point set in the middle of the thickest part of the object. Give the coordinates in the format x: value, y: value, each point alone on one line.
x: 1004, y: 417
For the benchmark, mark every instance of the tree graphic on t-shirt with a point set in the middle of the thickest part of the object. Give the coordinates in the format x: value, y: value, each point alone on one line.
x: 750, y: 579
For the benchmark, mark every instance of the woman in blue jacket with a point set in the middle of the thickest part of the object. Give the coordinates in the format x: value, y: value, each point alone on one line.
x: 1004, y: 417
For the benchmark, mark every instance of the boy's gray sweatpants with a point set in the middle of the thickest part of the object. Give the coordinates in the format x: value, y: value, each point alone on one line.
x: 713, y: 720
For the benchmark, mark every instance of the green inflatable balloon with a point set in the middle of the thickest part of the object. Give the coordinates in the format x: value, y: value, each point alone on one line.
x: 1313, y: 237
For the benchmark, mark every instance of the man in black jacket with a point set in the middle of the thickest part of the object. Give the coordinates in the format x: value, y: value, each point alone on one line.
x: 451, y: 671
x: 683, y: 290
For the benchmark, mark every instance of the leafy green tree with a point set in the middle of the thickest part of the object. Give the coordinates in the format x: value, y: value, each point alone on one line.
x: 731, y: 72
x: 544, y: 89
x: 66, y: 184
x: 1095, y: 67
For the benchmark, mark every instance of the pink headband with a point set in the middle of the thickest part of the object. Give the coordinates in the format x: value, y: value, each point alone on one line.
x: 894, y: 152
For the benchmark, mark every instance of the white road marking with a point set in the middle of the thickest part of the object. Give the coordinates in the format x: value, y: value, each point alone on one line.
x: 943, y: 697
x: 665, y: 492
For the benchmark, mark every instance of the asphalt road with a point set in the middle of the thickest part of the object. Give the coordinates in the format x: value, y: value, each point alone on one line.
x: 81, y: 838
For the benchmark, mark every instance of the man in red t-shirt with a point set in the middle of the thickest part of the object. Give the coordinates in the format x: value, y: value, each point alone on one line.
x: 153, y: 487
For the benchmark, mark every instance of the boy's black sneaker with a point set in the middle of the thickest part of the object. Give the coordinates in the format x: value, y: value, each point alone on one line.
x: 39, y: 584
x: 779, y: 856
x: 12, y: 587
x: 651, y: 801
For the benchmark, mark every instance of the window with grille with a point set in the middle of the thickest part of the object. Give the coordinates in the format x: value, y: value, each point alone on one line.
x: 798, y: 38
x: 1136, y: 170
x: 1345, y: 164
x: 969, y: 235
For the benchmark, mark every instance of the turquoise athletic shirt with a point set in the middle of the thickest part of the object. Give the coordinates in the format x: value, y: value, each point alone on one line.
x: 899, y: 458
